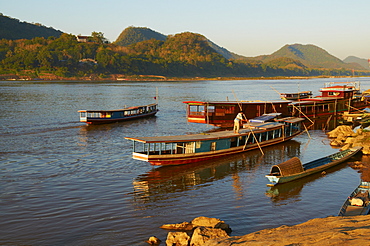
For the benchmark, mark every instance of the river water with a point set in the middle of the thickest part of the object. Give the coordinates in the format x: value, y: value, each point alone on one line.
x: 65, y: 183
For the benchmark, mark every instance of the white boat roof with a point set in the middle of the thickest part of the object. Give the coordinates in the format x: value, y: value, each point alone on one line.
x: 117, y: 110
x: 258, y: 127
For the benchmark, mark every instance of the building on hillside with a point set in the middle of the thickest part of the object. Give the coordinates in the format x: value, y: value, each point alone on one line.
x: 83, y: 39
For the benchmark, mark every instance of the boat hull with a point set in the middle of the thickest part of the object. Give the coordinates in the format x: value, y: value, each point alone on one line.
x: 173, y: 159
x: 275, y: 180
x: 97, y: 121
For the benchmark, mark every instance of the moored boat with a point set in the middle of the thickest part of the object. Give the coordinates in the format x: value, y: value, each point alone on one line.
x: 293, y: 168
x: 296, y: 96
x: 223, y: 113
x: 110, y: 116
x: 175, y: 150
x: 358, y: 203
x: 334, y: 100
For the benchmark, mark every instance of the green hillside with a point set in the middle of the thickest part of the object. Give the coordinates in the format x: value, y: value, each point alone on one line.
x: 309, y: 55
x: 132, y: 35
x: 363, y: 62
x: 13, y: 29
x: 140, y: 51
x: 181, y: 55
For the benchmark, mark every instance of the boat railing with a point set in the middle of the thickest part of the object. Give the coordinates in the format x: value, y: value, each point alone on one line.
x: 316, y: 163
x: 355, y: 84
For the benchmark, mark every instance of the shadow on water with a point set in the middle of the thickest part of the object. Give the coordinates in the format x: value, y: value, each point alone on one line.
x: 158, y: 182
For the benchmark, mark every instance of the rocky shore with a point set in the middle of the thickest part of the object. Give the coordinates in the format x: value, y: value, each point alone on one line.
x: 330, y: 231
x: 344, y: 137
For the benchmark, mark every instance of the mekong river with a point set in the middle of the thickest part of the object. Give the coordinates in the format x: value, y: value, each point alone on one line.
x: 65, y: 183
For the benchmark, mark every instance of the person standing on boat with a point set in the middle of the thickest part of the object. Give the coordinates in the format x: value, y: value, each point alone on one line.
x: 238, y: 121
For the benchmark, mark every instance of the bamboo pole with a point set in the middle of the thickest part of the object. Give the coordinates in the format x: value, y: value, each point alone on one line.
x: 296, y: 108
x: 259, y: 146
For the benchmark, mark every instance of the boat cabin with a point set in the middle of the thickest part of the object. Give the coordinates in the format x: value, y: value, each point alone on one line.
x: 338, y: 91
x: 296, y: 96
x: 223, y: 113
x: 104, y: 116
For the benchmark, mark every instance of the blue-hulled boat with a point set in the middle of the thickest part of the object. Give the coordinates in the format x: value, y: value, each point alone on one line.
x: 110, y: 116
x: 293, y: 169
x: 174, y: 150
x: 358, y: 203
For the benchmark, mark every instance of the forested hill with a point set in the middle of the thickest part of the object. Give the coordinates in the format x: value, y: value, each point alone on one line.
x: 132, y: 35
x: 12, y: 29
x: 181, y: 55
x: 363, y: 62
x: 309, y: 55
x: 141, y: 51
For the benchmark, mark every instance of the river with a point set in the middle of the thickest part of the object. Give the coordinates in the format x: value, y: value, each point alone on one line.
x: 66, y: 183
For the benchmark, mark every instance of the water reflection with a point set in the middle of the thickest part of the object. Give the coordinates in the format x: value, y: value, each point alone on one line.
x: 322, y: 123
x: 153, y: 185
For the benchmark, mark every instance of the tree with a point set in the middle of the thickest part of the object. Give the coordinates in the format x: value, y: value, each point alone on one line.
x: 98, y: 37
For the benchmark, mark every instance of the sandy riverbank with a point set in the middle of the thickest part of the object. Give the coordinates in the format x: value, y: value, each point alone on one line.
x: 321, y: 231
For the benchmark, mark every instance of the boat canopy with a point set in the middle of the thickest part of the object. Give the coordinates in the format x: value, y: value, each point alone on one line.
x: 265, y: 117
x: 289, y: 167
x: 119, y: 110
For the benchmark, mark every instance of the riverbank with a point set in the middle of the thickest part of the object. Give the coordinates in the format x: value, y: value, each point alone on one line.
x: 154, y: 78
x: 330, y: 231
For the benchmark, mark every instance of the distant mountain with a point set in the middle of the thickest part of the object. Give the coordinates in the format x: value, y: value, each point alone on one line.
x: 224, y: 52
x: 11, y: 28
x: 310, y: 56
x: 132, y: 35
x: 353, y: 59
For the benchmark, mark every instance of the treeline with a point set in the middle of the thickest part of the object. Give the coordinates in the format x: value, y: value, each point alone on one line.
x: 11, y: 28
x: 180, y: 55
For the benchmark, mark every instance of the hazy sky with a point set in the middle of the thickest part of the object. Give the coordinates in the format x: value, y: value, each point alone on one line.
x: 245, y: 27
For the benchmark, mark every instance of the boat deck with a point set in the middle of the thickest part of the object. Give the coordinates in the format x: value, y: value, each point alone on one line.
x: 210, y: 135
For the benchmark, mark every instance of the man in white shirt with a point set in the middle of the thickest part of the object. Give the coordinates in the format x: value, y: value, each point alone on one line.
x: 238, y: 121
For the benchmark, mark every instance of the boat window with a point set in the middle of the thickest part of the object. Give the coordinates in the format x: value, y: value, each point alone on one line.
x: 211, y: 109
x: 229, y: 110
x: 198, y: 144
x: 233, y: 142
x: 189, y: 147
x: 263, y: 136
x: 220, y: 111
x: 213, y: 146
x: 270, y: 135
x: 196, y: 110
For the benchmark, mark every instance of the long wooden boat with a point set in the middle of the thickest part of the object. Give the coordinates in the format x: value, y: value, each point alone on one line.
x: 358, y: 203
x: 174, y: 150
x: 110, y: 116
x: 296, y: 95
x: 293, y: 169
x: 334, y: 100
x: 223, y: 113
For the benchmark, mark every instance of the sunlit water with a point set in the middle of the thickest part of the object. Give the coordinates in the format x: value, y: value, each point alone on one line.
x: 65, y: 183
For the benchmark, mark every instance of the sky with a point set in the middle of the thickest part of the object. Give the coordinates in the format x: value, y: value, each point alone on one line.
x: 245, y: 27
